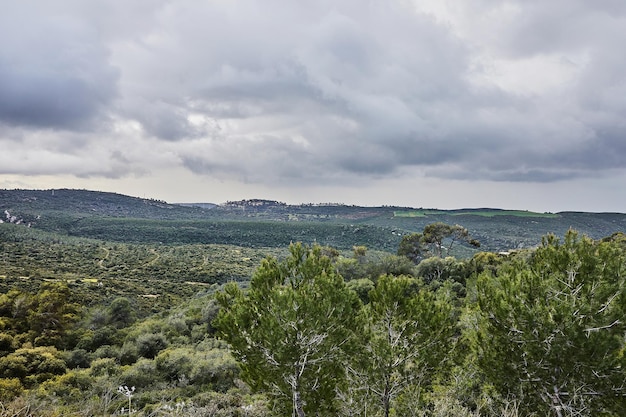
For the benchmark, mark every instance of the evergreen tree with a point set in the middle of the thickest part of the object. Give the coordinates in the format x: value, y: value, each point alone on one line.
x: 410, y: 334
x: 551, y: 330
x: 293, y: 331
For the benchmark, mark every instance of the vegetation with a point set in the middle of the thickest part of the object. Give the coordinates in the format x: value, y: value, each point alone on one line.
x: 473, y: 212
x: 551, y: 330
x: 295, y: 325
x: 262, y: 223
x: 431, y: 327
x: 437, y: 239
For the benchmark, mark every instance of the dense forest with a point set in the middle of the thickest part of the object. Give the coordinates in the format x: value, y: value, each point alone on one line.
x: 111, y: 305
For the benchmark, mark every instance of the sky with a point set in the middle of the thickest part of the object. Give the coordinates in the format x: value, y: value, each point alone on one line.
x: 517, y: 104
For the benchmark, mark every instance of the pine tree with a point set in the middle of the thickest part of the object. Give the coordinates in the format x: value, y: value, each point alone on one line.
x: 410, y: 333
x: 293, y: 331
x: 551, y: 329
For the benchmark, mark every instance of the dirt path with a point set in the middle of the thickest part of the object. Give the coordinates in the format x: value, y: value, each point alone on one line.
x: 106, y: 256
x: 156, y: 254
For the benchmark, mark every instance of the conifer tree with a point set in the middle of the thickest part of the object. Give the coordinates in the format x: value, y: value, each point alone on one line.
x: 293, y: 330
x: 551, y: 330
x: 410, y: 335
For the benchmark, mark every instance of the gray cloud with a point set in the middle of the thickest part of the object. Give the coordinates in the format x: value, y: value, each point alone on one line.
x: 282, y: 92
x: 54, y: 70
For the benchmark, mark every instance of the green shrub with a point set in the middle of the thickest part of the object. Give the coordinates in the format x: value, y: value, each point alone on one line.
x: 121, y: 312
x: 92, y: 339
x: 142, y: 374
x: 216, y: 367
x: 199, y: 332
x: 12, y: 366
x: 10, y: 388
x: 107, y: 351
x: 177, y: 326
x: 150, y: 344
x: 175, y: 364
x: 128, y: 353
x: 104, y: 367
x: 7, y: 344
x: 77, y: 358
x: 33, y: 365
x: 71, y: 385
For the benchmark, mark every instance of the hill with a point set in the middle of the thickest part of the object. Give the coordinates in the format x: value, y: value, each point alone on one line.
x: 266, y: 223
x: 100, y: 292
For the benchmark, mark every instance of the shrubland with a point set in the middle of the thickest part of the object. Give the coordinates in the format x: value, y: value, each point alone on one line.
x: 95, y: 327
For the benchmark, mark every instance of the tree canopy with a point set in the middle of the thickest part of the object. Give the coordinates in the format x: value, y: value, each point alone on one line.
x: 437, y: 239
x: 551, y: 330
x: 293, y: 330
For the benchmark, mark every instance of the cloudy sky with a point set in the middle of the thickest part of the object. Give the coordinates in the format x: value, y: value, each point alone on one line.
x: 424, y: 103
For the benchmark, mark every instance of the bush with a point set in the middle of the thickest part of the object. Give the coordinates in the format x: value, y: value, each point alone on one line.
x: 141, y: 375
x: 150, y: 344
x: 104, y: 367
x: 6, y: 343
x: 69, y: 386
x: 175, y: 364
x: 177, y: 326
x: 216, y: 367
x: 200, y: 331
x: 107, y: 351
x: 32, y: 365
x: 128, y: 353
x: 13, y: 366
x: 93, y: 339
x: 209, y: 313
x: 10, y: 388
x: 121, y: 312
x: 77, y: 358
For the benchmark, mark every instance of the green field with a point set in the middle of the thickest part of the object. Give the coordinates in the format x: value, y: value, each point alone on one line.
x: 474, y: 212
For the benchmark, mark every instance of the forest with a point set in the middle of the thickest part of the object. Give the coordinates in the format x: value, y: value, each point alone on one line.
x: 128, y: 313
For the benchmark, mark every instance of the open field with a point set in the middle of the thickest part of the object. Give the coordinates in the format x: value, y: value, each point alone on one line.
x: 474, y: 212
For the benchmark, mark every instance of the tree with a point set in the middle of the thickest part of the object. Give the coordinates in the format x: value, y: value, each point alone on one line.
x: 52, y: 314
x: 359, y: 253
x: 435, y: 269
x: 411, y: 246
x: 550, y: 331
x: 437, y: 239
x: 120, y: 312
x: 293, y: 330
x: 410, y: 333
x: 436, y: 235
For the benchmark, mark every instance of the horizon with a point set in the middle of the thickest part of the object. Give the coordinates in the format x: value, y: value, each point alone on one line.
x: 312, y: 203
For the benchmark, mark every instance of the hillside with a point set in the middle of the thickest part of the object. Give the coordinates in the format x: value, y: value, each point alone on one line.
x: 107, y: 299
x: 266, y: 223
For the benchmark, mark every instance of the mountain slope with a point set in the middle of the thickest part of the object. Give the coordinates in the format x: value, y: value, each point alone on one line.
x: 265, y: 223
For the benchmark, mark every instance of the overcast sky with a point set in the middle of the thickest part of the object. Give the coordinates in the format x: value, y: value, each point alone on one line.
x: 426, y: 103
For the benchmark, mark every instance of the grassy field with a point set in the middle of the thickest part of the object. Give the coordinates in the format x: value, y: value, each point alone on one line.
x: 474, y: 212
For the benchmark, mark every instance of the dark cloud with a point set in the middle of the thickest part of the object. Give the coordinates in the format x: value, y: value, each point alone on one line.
x: 54, y: 70
x: 283, y: 92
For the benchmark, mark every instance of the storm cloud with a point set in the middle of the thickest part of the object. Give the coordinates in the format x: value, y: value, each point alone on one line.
x: 329, y: 92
